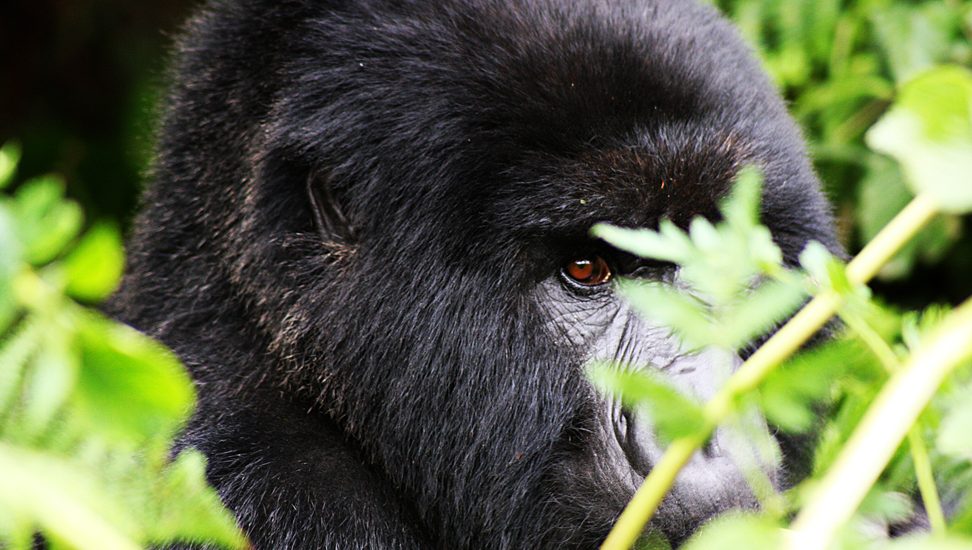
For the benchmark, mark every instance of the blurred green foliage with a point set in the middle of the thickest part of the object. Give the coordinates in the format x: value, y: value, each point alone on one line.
x: 838, y: 62
x: 88, y: 407
x: 733, y: 287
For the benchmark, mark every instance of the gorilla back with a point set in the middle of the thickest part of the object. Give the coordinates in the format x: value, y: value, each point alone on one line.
x: 366, y: 235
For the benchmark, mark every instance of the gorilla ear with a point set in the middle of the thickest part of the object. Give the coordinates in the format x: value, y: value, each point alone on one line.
x: 331, y: 222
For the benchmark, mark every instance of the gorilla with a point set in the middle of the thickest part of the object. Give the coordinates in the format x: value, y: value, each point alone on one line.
x: 366, y: 235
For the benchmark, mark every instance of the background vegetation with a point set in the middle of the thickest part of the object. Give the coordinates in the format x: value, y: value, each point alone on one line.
x: 81, y: 100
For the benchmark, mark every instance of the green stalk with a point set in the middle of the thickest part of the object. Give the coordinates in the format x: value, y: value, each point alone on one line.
x: 916, y: 445
x: 777, y: 349
x: 884, y: 426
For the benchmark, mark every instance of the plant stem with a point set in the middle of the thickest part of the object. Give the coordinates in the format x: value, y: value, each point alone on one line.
x: 777, y: 349
x: 881, y: 431
x: 916, y: 445
x: 926, y: 481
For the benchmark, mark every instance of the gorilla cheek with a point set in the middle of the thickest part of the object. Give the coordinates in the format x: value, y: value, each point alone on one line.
x: 711, y: 482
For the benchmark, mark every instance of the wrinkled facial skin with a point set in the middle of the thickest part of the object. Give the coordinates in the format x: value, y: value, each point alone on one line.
x: 354, y: 238
x: 602, y: 324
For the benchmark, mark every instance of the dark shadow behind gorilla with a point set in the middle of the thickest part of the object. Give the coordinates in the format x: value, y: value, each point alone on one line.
x: 354, y: 236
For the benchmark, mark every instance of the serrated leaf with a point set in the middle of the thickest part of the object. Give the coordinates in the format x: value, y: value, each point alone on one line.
x: 644, y: 242
x: 46, y: 222
x: 673, y: 414
x: 130, y: 388
x: 759, y: 311
x: 679, y: 311
x: 191, y: 511
x: 929, y: 132
x: 95, y: 265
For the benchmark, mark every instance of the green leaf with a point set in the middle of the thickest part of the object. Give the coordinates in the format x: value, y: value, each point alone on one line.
x: 669, y: 247
x: 791, y: 394
x: 679, y: 311
x: 929, y: 132
x: 10, y: 253
x: 955, y: 432
x: 741, y: 208
x: 928, y: 542
x: 9, y: 159
x: 64, y: 500
x: 759, y: 311
x: 50, y: 379
x: 734, y: 531
x: 673, y: 413
x: 131, y: 388
x: 190, y: 510
x: 46, y: 222
x: 95, y: 265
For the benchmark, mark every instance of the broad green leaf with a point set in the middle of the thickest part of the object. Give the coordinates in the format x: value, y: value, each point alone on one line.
x: 929, y: 132
x: 881, y: 195
x: 189, y: 509
x: 9, y: 158
x: 673, y: 413
x: 735, y: 531
x: 131, y: 388
x: 95, y: 265
x: 64, y: 500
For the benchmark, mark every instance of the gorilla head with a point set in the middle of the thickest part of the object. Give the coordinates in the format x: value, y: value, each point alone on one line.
x: 367, y: 237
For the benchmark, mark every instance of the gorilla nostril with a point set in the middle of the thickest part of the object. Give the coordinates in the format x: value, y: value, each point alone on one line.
x: 711, y: 449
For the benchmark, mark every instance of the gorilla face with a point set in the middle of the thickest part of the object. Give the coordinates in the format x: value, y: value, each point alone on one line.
x: 367, y: 237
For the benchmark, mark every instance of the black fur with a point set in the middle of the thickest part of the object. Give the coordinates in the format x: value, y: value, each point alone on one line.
x: 383, y: 374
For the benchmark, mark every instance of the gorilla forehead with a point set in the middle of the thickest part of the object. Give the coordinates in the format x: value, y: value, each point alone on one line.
x: 468, y: 92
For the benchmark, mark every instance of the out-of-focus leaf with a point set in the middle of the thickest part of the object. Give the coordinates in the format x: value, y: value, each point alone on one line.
x: 15, y: 351
x: 679, y: 311
x: 929, y: 132
x: 741, y: 208
x: 95, y: 265
x: 191, y: 510
x: 791, y: 395
x: 51, y: 378
x: 645, y: 243
x: 882, y: 194
x: 955, y: 433
x: 131, y: 388
x: 759, y: 311
x: 928, y: 542
x: 914, y: 38
x: 9, y: 262
x: 673, y: 414
x: 64, y: 500
x: 9, y: 158
x: 45, y: 222
x: 735, y: 531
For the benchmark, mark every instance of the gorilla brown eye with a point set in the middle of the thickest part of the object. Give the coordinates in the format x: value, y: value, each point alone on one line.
x: 588, y: 271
